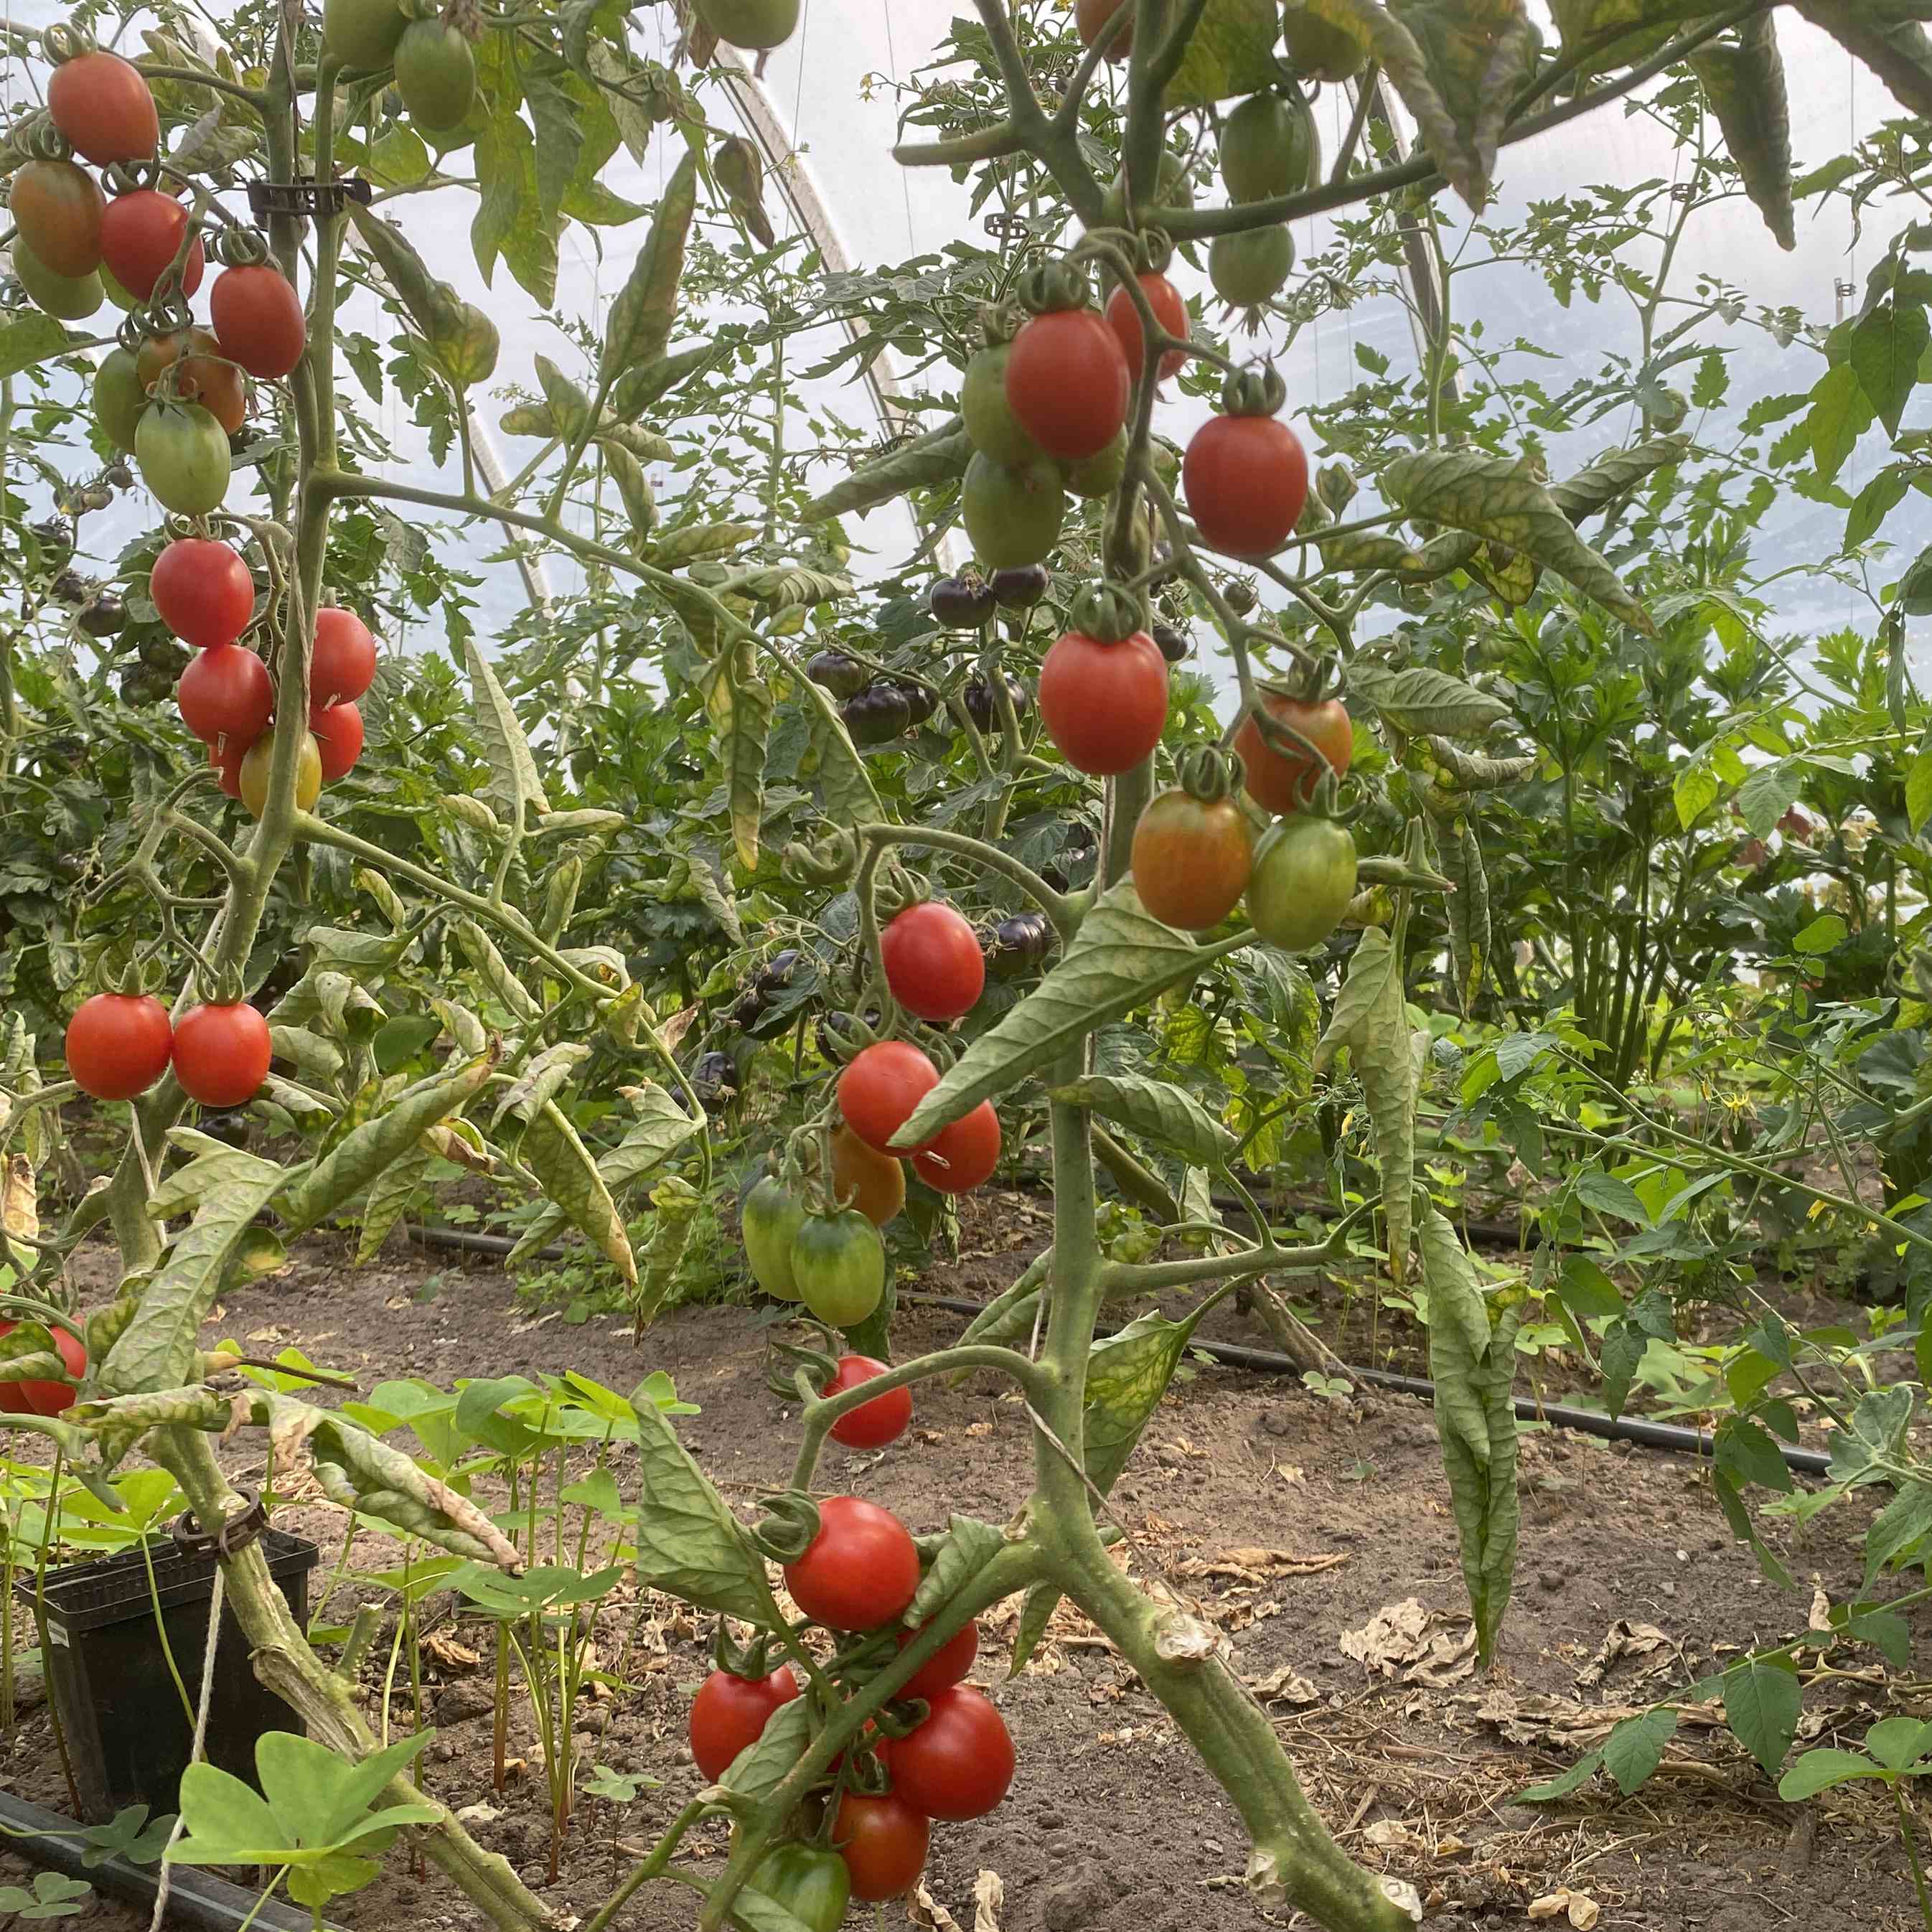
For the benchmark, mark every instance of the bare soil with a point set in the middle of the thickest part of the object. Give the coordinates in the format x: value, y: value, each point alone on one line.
x: 1292, y: 1519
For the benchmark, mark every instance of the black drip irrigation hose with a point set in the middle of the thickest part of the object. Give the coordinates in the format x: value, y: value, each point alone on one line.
x: 195, y: 1898
x: 1632, y: 1429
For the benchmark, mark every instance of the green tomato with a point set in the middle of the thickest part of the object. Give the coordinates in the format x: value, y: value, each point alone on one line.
x: 70, y: 298
x: 1098, y: 475
x: 813, y: 1886
x: 1173, y: 188
x: 1270, y: 146
x: 770, y: 1221
x: 1012, y: 515
x: 989, y: 420
x: 436, y: 74
x: 363, y: 33
x: 182, y: 453
x: 1318, y: 48
x: 1250, y: 268
x: 1303, y: 878
x: 119, y: 401
x: 757, y: 24
x: 839, y: 1262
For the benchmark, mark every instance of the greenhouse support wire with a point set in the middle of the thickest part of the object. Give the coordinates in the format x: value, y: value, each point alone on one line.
x: 1632, y: 1429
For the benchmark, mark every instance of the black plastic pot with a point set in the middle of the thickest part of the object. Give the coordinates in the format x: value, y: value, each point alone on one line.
x: 128, y: 1736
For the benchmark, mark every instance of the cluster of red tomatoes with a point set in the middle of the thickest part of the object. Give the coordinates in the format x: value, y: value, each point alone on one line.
x: 204, y: 593
x: 174, y: 401
x: 858, y: 1576
x: 119, y: 1044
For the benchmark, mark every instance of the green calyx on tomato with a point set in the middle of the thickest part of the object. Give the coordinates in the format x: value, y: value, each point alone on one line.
x: 1304, y: 877
x: 838, y: 1265
x: 769, y: 1220
x: 812, y: 1885
x: 1013, y: 515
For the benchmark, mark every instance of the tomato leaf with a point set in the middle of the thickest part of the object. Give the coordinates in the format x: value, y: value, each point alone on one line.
x: 939, y: 457
x: 1601, y: 482
x: 229, y: 1188
x: 1157, y: 1110
x: 1420, y: 701
x: 1841, y: 412
x: 1886, y: 40
x: 28, y: 336
x: 1885, y: 348
x: 969, y: 1546
x: 688, y: 1542
x: 390, y: 1194
x: 1457, y: 64
x: 514, y: 783
x: 739, y: 705
x: 563, y: 1167
x: 676, y: 1203
x: 1121, y: 958
x: 1232, y: 53
x: 642, y: 316
x: 1468, y: 907
x: 325, y: 1186
x: 1745, y: 85
x: 1472, y: 1361
x: 1497, y: 499
x: 1370, y: 1019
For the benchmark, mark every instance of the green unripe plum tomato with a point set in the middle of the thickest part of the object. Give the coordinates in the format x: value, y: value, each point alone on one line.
x: 989, y: 418
x: 1013, y: 515
x: 67, y: 298
x: 436, y: 74
x: 119, y: 401
x: 363, y: 33
x: 839, y: 1262
x: 1098, y: 476
x: 1317, y: 48
x: 1250, y: 268
x: 182, y: 453
x: 770, y: 1220
x: 1269, y: 146
x: 757, y: 24
x: 1303, y: 878
x: 1173, y: 188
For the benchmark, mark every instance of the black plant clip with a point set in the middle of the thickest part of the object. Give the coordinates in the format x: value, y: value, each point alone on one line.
x: 305, y: 198
x: 234, y: 1536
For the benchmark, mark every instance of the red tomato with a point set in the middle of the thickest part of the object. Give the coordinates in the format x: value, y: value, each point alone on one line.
x: 1124, y: 320
x: 963, y: 1156
x: 859, y: 1571
x: 947, y: 1665
x: 225, y: 694
x: 227, y: 755
x: 883, y: 1842
x: 258, y: 316
x: 1246, y: 480
x: 958, y: 1763
x: 880, y: 1086
x: 45, y: 1398
x: 104, y: 108
x: 1280, y: 781
x: 1091, y: 15
x: 221, y: 1054
x: 1067, y: 383
x: 872, y: 1424
x: 933, y: 966
x: 140, y: 232
x: 343, y: 664
x: 729, y: 1714
x: 57, y: 209
x: 1104, y: 705
x: 117, y: 1045
x: 203, y: 591
x: 337, y: 730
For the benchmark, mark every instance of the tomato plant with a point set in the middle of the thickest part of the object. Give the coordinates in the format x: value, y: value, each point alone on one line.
x: 859, y: 1572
